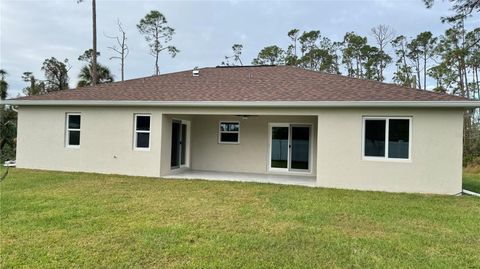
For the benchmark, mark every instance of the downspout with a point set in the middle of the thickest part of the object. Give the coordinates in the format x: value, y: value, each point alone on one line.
x: 470, y: 193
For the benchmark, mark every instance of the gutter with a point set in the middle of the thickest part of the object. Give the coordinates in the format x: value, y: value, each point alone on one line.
x: 285, y: 104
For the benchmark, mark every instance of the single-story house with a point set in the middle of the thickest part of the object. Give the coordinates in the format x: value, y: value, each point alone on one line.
x: 266, y: 122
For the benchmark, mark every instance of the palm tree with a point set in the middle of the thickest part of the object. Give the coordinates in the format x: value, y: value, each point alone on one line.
x: 85, y: 76
x: 94, y: 32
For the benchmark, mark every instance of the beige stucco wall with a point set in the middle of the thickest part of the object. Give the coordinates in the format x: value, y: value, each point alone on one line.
x: 436, y: 165
x: 108, y: 132
x: 251, y: 154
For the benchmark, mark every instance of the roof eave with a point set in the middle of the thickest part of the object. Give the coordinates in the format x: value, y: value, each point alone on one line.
x: 313, y: 104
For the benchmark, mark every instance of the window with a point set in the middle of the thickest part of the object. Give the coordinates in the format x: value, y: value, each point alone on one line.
x: 142, y: 132
x: 229, y: 132
x: 395, y: 130
x: 73, y: 130
x: 375, y: 138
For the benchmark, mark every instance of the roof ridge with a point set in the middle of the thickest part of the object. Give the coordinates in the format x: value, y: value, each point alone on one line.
x: 245, y: 66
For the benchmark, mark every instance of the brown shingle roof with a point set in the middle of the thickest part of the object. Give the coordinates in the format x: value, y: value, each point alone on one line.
x: 264, y: 83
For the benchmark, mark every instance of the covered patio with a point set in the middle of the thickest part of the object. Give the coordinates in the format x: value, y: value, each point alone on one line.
x: 278, y: 149
x: 299, y: 180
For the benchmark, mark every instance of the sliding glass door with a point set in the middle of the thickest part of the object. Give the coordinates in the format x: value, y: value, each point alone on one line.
x: 290, y: 147
x: 279, y: 147
x: 176, y: 144
x: 179, y: 153
x: 300, y: 147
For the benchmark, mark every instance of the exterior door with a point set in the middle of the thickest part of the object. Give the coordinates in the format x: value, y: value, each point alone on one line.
x: 279, y: 147
x: 180, y: 144
x: 176, y: 144
x: 290, y: 147
x: 300, y: 148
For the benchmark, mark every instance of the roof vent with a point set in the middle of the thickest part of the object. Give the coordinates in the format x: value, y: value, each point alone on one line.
x: 196, y: 72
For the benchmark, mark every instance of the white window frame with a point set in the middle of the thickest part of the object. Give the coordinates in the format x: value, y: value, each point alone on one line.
x: 186, y: 144
x: 135, y: 132
x: 220, y: 132
x: 387, y: 127
x: 68, y: 130
x: 289, y: 170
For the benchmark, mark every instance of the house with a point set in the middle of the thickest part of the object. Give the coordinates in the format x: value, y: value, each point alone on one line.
x: 271, y: 123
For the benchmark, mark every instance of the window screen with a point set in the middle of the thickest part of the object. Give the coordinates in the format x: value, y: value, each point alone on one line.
x: 229, y: 132
x: 142, y: 131
x: 375, y: 138
x: 398, y: 138
x: 73, y: 130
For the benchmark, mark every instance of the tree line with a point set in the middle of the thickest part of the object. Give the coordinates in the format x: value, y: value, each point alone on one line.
x: 452, y: 60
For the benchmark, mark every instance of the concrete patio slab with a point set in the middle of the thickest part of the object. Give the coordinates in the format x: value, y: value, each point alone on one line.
x: 299, y: 180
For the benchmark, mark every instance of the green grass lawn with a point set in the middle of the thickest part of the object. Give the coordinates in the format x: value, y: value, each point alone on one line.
x: 471, y: 182
x: 64, y: 220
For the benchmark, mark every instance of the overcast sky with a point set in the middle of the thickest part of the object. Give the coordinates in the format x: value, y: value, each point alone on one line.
x: 34, y: 30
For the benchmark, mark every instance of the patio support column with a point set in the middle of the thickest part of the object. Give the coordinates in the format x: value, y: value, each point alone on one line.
x: 166, y: 145
x: 161, y: 145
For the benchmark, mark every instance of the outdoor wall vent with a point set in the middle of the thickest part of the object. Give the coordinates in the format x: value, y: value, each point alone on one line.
x: 196, y: 72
